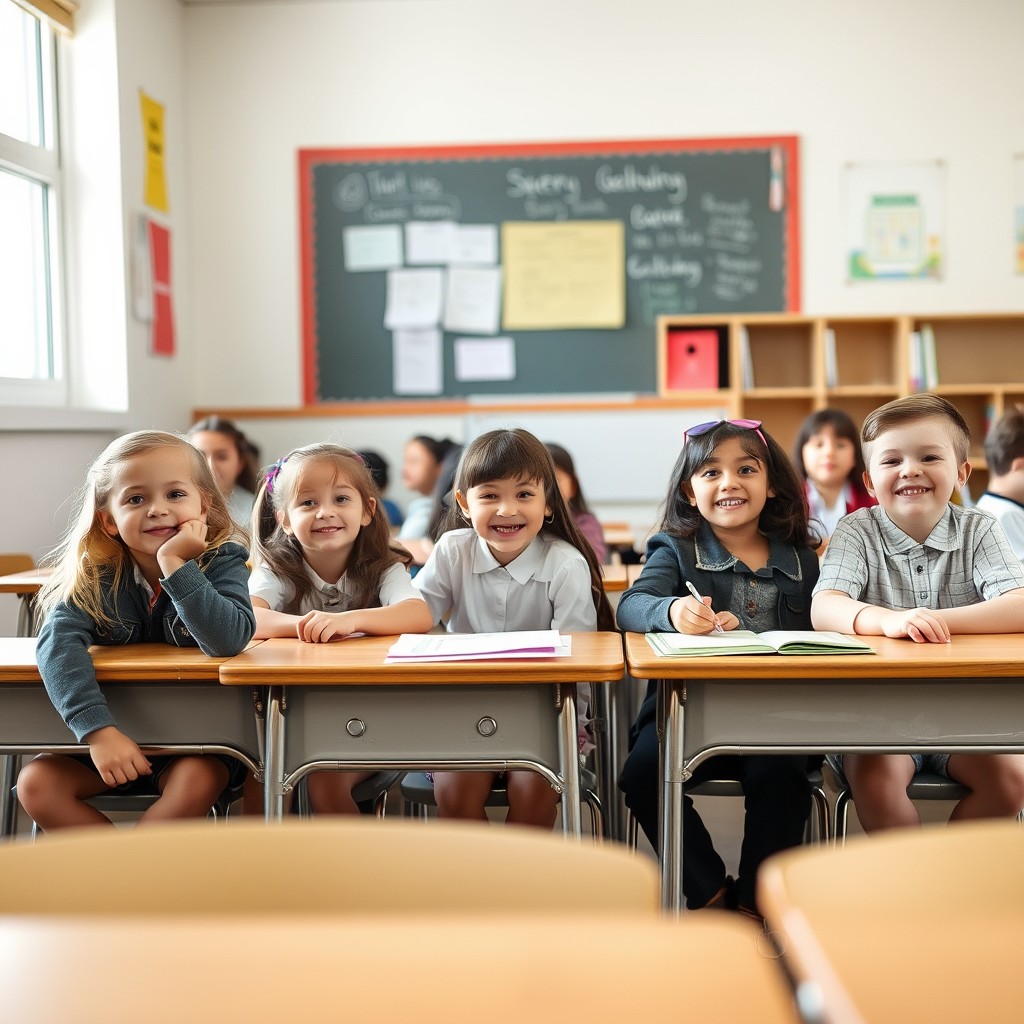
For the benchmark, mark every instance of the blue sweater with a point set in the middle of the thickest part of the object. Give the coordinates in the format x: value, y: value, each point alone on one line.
x: 210, y: 610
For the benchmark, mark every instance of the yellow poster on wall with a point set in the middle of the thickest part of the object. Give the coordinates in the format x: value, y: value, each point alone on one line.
x: 153, y: 131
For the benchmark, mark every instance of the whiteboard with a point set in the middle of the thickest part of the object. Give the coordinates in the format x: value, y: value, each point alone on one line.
x: 620, y: 456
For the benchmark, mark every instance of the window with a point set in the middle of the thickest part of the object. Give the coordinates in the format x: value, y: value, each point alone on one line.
x: 31, y: 337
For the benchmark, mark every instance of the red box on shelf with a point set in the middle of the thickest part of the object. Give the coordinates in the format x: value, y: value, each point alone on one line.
x: 691, y: 360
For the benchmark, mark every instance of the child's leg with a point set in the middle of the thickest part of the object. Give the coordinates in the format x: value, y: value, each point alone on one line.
x: 189, y: 787
x: 331, y: 792
x: 879, y: 786
x: 462, y: 794
x: 777, y: 801
x: 53, y: 790
x: 252, y: 796
x: 704, y: 878
x: 531, y: 800
x: 996, y: 782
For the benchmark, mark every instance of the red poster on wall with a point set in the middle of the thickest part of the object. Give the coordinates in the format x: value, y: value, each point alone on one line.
x: 162, y: 332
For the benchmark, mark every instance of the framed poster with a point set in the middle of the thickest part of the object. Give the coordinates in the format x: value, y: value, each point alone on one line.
x: 895, y: 220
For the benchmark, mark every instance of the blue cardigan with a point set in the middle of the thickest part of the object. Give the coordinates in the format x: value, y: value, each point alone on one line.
x: 207, y: 609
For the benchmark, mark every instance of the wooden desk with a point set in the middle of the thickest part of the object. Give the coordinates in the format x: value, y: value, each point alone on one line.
x: 963, y: 697
x: 337, y: 706
x: 26, y: 585
x: 912, y: 924
x: 166, y: 698
x: 615, y: 578
x: 503, y: 969
x: 618, y: 535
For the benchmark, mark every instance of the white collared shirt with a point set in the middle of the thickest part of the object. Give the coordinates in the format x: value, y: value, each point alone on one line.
x: 395, y: 586
x: 545, y: 587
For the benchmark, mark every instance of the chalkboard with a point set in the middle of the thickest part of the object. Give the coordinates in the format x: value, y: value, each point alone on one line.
x: 706, y: 225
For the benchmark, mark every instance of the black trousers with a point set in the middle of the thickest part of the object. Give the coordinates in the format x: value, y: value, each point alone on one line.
x: 776, y: 797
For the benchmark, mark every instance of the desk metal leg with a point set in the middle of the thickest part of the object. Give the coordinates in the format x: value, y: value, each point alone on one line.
x: 606, y: 756
x: 9, y: 764
x: 670, y: 824
x: 26, y: 616
x: 273, y: 794
x: 569, y: 758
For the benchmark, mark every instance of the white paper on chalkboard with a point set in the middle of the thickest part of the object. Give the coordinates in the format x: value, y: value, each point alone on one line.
x: 429, y: 241
x: 474, y: 300
x: 415, y: 298
x: 417, y: 362
x: 475, y: 243
x: 485, y: 359
x: 372, y: 247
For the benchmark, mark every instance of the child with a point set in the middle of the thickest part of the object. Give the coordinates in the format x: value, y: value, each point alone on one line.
x: 522, y: 564
x: 150, y: 557
x: 380, y: 471
x: 828, y: 461
x: 1004, y: 499
x: 234, y: 462
x: 917, y: 566
x: 735, y: 527
x: 572, y: 493
x: 326, y: 568
x: 421, y: 466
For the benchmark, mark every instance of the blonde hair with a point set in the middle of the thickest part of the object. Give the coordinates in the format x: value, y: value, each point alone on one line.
x: 373, y: 551
x: 87, y: 553
x: 917, y: 407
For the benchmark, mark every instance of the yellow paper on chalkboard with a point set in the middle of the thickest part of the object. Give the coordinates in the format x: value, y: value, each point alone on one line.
x: 568, y: 274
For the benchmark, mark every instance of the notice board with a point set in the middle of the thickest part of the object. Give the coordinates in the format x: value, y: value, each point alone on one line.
x: 533, y: 269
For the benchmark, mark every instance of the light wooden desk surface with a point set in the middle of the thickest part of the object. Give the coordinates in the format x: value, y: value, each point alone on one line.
x: 961, y: 697
x: 618, y: 535
x: 614, y: 578
x: 27, y: 582
x: 596, y: 657
x: 915, y: 924
x: 504, y: 970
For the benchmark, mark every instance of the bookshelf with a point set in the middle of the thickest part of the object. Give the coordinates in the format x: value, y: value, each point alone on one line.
x: 780, y: 367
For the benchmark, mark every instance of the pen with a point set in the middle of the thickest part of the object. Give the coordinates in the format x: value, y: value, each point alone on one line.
x: 693, y: 590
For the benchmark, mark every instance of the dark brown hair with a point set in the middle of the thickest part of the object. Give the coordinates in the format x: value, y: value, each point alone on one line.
x: 563, y: 461
x: 842, y: 426
x: 1005, y: 441
x: 248, y: 476
x: 918, y: 407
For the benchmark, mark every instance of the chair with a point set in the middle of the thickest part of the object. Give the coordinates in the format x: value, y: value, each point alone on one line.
x: 908, y: 924
x: 418, y: 794
x: 926, y: 786
x: 331, y: 866
x: 732, y: 787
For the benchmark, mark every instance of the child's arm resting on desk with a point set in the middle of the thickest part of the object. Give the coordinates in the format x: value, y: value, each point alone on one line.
x: 1002, y: 614
x: 834, y: 610
x: 411, y: 616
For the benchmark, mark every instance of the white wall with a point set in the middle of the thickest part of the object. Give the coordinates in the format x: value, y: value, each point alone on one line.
x: 246, y: 84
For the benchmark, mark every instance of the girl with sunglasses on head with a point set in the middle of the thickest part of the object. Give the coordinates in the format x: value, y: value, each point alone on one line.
x: 735, y: 528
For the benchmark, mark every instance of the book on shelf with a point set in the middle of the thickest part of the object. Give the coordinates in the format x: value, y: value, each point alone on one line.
x: 532, y: 643
x: 746, y: 363
x: 929, y: 363
x: 745, y: 641
x: 914, y: 371
x: 831, y: 371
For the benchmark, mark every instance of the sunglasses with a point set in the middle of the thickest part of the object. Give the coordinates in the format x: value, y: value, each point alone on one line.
x: 703, y: 428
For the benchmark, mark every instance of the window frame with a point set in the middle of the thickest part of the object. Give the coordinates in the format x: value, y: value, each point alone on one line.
x: 41, y: 164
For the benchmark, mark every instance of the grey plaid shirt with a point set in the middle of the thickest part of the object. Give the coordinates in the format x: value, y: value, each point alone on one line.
x: 964, y: 560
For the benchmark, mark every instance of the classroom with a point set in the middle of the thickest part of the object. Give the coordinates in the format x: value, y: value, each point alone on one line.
x: 246, y: 84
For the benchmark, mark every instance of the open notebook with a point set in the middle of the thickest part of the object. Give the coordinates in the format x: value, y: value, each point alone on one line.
x: 744, y: 641
x: 536, y: 643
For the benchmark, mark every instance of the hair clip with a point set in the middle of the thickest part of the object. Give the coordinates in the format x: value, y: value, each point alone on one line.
x: 273, y: 472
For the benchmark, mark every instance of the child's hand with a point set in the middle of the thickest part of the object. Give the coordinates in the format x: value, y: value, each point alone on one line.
x: 188, y: 542
x: 118, y: 759
x: 919, y: 624
x: 688, y: 615
x: 319, y: 627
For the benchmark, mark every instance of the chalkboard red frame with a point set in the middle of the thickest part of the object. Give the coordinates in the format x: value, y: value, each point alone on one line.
x: 307, y: 158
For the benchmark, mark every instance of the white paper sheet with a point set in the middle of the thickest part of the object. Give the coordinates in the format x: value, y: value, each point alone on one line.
x: 475, y: 243
x: 372, y: 247
x: 429, y: 241
x: 474, y: 300
x: 415, y: 298
x: 485, y: 359
x: 417, y: 362
x: 540, y: 643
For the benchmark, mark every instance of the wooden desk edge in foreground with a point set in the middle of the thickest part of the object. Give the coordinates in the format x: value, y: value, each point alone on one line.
x: 596, y: 658
x: 967, y: 657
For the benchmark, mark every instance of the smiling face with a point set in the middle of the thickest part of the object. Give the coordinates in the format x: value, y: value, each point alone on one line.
x: 507, y: 514
x: 828, y: 458
x: 912, y: 470
x: 222, y: 456
x: 325, y: 513
x: 153, y: 495
x: 729, y: 489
